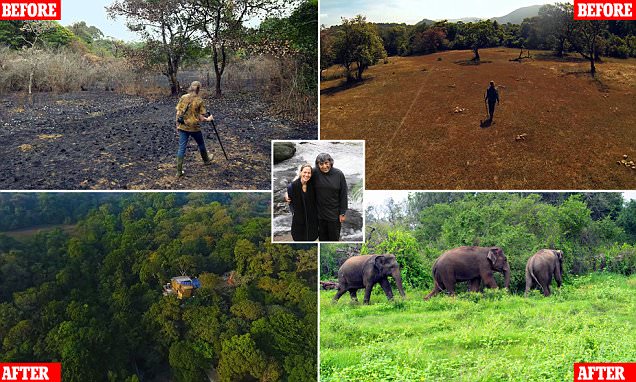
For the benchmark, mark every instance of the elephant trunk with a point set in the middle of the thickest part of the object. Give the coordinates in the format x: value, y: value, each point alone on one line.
x: 398, y: 281
x: 506, y: 272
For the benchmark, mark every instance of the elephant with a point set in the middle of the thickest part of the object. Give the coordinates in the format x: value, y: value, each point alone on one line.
x: 364, y: 272
x: 540, y: 268
x: 472, y: 264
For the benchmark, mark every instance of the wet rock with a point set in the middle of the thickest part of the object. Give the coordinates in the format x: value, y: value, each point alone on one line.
x: 283, y: 151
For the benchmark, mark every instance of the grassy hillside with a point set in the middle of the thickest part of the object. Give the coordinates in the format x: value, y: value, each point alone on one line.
x: 479, y: 337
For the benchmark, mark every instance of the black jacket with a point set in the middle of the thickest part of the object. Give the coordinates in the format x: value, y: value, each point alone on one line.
x: 492, y: 95
x: 331, y: 194
x: 305, y: 218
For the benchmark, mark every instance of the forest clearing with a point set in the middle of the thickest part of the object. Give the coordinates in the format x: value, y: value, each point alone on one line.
x: 555, y: 128
x: 479, y: 337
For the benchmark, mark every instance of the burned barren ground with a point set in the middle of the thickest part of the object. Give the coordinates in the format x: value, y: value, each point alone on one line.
x: 105, y: 140
x: 556, y: 127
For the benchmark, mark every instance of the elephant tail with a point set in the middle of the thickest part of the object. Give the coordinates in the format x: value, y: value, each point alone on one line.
x: 533, y: 276
x: 436, y: 287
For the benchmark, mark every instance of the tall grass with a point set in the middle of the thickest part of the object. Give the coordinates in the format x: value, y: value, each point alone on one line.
x: 278, y: 80
x: 480, y: 337
x: 61, y: 71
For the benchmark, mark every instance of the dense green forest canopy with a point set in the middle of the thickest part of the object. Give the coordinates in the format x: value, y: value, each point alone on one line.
x: 93, y: 300
x: 596, y: 231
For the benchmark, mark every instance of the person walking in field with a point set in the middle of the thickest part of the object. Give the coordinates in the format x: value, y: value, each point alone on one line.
x: 492, y: 96
x: 190, y: 112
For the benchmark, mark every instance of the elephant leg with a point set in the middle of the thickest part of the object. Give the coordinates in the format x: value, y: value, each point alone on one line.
x: 489, y: 281
x: 386, y: 286
x: 473, y: 284
x: 436, y: 289
x: 341, y: 291
x: 367, y: 293
x: 354, y: 294
x: 546, y: 290
x: 528, y: 283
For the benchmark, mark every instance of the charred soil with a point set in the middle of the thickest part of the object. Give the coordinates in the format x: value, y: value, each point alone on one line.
x: 105, y: 140
x: 556, y: 126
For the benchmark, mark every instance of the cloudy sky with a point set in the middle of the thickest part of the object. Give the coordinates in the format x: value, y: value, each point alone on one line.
x: 412, y: 11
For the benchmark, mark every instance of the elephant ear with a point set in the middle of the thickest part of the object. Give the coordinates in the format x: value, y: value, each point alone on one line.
x: 559, y: 255
x: 379, y: 262
x: 492, y: 255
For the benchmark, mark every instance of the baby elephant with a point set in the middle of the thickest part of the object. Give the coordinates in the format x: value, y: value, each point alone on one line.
x: 365, y: 271
x: 540, y: 268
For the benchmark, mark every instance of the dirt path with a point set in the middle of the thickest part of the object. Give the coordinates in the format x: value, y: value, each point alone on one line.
x: 420, y: 117
x: 104, y: 140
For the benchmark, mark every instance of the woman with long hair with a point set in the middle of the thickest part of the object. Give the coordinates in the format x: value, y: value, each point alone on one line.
x: 303, y: 202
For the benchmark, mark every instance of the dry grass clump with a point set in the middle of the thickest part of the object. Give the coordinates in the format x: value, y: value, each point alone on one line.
x: 60, y: 71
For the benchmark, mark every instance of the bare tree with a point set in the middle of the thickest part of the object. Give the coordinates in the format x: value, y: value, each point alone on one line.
x: 169, y: 22
x: 33, y: 33
x: 222, y: 24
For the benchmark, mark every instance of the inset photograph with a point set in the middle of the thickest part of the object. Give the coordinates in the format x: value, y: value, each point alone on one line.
x: 155, y: 287
x: 155, y: 95
x: 480, y: 287
x: 318, y: 189
x: 477, y: 95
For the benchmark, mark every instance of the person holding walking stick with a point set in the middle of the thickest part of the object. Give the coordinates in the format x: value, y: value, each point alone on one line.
x: 190, y: 112
x: 492, y: 96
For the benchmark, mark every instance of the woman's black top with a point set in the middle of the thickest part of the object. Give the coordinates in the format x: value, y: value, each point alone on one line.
x: 305, y: 219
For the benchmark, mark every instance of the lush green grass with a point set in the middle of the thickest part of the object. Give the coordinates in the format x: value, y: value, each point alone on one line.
x: 479, y: 337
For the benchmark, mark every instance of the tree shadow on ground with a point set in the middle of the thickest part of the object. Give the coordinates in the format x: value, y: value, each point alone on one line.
x: 344, y: 85
x: 471, y: 62
x: 553, y: 58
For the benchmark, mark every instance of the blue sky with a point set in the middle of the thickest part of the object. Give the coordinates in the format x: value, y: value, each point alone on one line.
x: 412, y: 11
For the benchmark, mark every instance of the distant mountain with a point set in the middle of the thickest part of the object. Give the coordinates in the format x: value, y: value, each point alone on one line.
x: 514, y: 17
x: 518, y: 15
x: 426, y: 21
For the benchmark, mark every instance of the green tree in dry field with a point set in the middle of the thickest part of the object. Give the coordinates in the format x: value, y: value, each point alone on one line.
x: 586, y: 38
x: 558, y: 22
x: 359, y: 43
x: 479, y: 35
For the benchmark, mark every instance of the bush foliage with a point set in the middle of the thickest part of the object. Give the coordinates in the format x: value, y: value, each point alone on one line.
x: 93, y: 299
x: 521, y: 224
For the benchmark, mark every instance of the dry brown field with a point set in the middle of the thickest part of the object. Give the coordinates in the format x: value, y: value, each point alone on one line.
x: 556, y: 127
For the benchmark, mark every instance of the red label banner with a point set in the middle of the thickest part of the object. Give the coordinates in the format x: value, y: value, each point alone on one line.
x: 30, y: 10
x: 603, y: 10
x: 585, y: 372
x: 51, y: 372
